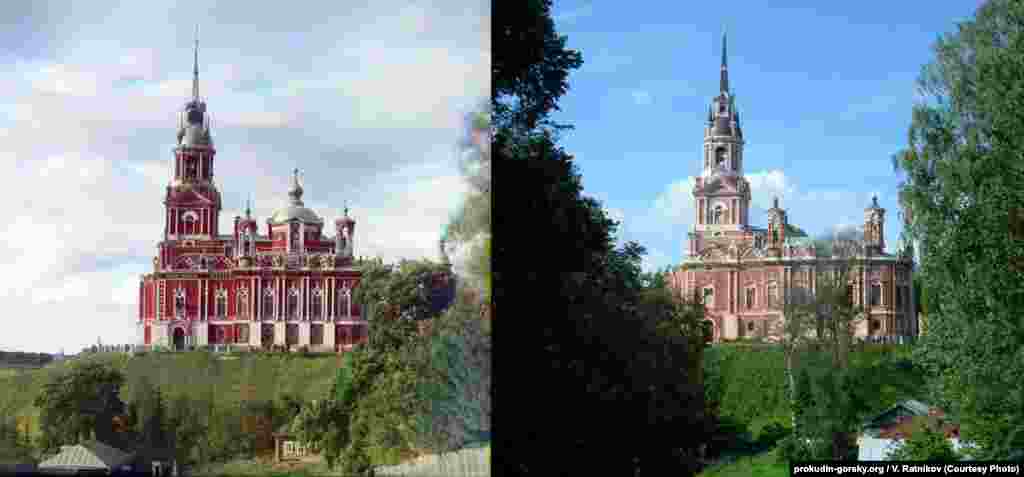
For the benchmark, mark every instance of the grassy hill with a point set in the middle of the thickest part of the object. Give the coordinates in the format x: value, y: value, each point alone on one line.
x: 241, y: 377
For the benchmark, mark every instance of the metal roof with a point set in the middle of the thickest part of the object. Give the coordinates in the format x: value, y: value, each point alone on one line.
x: 90, y: 455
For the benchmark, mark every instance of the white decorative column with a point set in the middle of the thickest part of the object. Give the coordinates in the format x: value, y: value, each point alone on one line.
x: 304, y: 300
x: 304, y: 333
x: 330, y: 299
x: 329, y: 331
x: 255, y: 334
x: 279, y: 329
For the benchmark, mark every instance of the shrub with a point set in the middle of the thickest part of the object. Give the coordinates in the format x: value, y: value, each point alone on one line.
x: 771, y: 434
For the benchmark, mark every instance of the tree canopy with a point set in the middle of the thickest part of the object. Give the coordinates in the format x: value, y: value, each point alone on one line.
x: 963, y: 186
x: 587, y: 339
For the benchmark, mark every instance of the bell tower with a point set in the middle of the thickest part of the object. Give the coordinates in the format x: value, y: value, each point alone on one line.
x: 722, y: 194
x: 193, y: 202
x: 874, y: 226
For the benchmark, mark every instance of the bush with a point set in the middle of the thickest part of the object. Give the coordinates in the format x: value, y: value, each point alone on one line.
x: 772, y: 433
x: 792, y: 449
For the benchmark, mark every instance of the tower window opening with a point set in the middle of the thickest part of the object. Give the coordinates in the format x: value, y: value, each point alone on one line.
x: 719, y: 157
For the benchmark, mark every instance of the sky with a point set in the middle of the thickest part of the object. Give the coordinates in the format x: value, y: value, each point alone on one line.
x: 824, y: 89
x: 367, y: 101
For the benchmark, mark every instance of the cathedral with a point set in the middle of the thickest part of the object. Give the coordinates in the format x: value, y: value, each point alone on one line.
x: 290, y: 286
x: 743, y: 271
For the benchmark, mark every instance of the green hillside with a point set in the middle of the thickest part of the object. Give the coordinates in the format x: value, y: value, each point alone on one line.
x: 229, y: 379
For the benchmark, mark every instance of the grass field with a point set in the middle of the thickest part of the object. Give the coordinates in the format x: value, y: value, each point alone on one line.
x: 765, y: 464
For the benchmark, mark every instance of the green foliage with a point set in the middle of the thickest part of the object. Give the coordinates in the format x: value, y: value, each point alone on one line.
x: 926, y: 443
x: 530, y: 65
x: 594, y: 336
x: 963, y: 186
x: 317, y: 426
x: 64, y: 398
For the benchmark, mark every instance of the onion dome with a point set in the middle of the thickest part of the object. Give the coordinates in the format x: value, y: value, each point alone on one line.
x: 295, y: 210
x: 194, y: 125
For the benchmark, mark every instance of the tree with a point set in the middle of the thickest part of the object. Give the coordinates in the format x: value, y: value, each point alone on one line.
x: 927, y: 442
x: 584, y: 342
x: 70, y: 401
x: 316, y: 426
x: 963, y: 183
x: 530, y: 65
x: 796, y: 329
x: 187, y: 427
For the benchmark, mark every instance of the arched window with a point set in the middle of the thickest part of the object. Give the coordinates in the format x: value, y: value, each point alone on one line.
x: 344, y: 303
x: 709, y: 296
x: 242, y: 302
x: 316, y: 303
x: 719, y: 157
x: 750, y: 326
x: 179, y: 303
x: 750, y: 298
x: 293, y: 303
x: 268, y: 303
x: 190, y: 219
x: 876, y: 294
x: 221, y: 308
x: 718, y: 215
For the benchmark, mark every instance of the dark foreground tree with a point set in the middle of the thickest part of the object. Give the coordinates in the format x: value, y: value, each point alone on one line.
x: 963, y: 190
x: 595, y: 375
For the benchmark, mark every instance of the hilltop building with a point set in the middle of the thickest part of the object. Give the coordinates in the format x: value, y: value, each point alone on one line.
x: 743, y: 271
x: 290, y: 286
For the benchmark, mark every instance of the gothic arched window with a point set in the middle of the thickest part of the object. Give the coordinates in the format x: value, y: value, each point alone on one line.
x: 293, y: 303
x: 221, y: 308
x: 316, y: 303
x: 268, y: 303
x: 344, y: 302
x: 242, y: 307
x: 179, y: 303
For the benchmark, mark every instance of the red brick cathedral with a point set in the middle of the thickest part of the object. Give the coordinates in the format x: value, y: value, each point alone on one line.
x: 743, y: 271
x: 290, y: 286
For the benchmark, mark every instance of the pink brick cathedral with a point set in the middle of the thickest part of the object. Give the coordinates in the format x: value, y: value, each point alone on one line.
x: 291, y: 285
x: 743, y: 271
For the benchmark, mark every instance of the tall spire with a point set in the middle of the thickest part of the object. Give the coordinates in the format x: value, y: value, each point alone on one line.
x: 195, y: 69
x: 724, y: 80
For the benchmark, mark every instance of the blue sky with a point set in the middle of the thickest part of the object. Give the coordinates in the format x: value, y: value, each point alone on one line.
x: 824, y: 89
x: 368, y: 100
